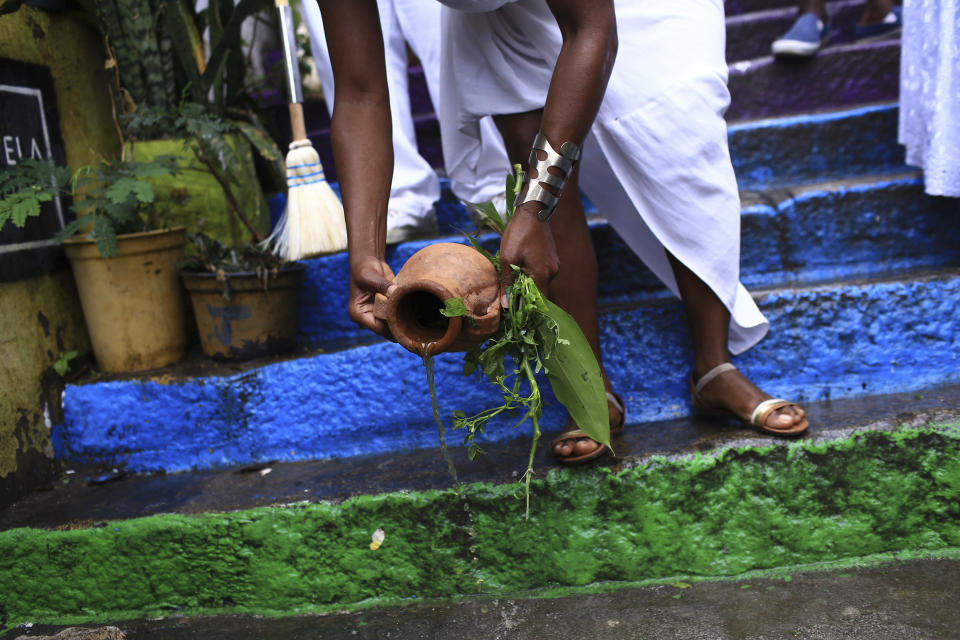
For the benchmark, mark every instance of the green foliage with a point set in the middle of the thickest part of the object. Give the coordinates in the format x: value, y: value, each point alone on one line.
x: 491, y: 217
x: 204, y: 131
x: 117, y: 198
x: 108, y: 198
x: 534, y: 335
x: 140, y: 52
x: 156, y: 52
x: 25, y: 186
x: 454, y: 308
x: 62, y: 364
x: 215, y: 257
x: 212, y: 256
x: 575, y: 376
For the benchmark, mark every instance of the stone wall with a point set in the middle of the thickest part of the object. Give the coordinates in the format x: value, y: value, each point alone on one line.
x: 41, y: 313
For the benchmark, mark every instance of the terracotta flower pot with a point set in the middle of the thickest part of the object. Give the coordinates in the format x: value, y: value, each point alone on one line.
x: 431, y: 276
x: 254, y: 321
x: 132, y: 303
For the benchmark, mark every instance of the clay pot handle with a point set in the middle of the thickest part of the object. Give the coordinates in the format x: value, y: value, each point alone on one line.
x: 381, y: 305
x: 487, y: 324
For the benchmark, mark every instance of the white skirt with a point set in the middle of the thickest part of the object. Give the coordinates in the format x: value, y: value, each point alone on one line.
x: 930, y: 92
x: 656, y: 161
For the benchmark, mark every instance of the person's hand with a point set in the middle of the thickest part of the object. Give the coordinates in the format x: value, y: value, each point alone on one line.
x: 528, y: 243
x: 368, y: 277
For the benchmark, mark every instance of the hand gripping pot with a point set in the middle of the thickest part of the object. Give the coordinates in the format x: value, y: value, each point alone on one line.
x: 431, y: 276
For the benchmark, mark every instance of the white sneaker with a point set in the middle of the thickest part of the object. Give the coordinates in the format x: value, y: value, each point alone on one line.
x: 401, y: 226
x: 803, y: 39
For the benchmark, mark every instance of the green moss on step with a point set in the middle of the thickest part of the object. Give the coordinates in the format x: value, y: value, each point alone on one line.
x: 700, y: 516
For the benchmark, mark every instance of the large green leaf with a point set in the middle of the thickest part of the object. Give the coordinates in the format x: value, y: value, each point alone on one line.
x: 575, y: 376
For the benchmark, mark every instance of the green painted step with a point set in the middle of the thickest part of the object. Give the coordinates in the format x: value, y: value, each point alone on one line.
x: 749, y: 504
x: 876, y: 598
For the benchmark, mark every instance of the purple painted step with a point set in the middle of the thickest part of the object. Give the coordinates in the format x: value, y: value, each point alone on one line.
x: 764, y: 87
x: 736, y: 7
x: 837, y: 77
x: 750, y: 35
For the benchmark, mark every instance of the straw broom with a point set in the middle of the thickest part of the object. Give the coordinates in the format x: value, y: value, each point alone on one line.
x: 313, y: 221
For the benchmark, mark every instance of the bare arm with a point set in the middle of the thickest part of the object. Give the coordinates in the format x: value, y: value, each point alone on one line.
x: 362, y: 146
x: 579, y: 80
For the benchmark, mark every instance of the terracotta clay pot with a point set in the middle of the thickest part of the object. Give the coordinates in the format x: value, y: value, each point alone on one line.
x: 254, y: 321
x: 431, y: 276
x: 132, y: 302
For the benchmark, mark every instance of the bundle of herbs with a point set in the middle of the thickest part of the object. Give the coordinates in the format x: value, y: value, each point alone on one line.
x: 534, y: 336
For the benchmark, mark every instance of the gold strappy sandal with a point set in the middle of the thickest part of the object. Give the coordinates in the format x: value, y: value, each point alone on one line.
x: 760, y: 414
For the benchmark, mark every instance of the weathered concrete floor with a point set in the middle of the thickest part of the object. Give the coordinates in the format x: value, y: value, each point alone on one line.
x: 90, y: 495
x: 900, y: 600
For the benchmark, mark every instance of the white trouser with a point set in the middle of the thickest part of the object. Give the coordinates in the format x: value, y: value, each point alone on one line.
x: 414, y: 187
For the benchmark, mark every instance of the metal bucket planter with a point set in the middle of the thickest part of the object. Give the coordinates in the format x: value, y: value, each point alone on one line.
x: 248, y: 317
x: 132, y: 302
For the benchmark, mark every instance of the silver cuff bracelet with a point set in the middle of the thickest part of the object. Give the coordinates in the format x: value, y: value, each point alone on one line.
x: 535, y: 191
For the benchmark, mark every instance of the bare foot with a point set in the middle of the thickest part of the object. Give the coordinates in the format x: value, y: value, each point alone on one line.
x: 577, y: 447
x: 733, y: 392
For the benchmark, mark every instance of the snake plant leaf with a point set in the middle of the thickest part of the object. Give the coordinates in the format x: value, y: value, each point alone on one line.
x: 226, y: 36
x: 574, y: 374
x: 257, y: 136
x: 188, y: 45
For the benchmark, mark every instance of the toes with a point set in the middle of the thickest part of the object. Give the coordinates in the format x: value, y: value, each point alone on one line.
x: 783, y: 419
x: 563, y: 449
x: 786, y: 417
x: 585, y: 446
x: 575, y: 447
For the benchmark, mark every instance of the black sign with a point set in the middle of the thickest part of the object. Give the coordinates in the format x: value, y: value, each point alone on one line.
x: 30, y: 128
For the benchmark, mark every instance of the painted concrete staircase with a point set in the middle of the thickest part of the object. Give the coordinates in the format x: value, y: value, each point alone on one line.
x: 857, y: 270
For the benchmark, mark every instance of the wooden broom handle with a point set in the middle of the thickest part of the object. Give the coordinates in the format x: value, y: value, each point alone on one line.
x: 297, y: 125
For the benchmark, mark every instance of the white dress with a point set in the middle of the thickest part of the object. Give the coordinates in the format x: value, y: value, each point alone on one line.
x: 930, y: 92
x: 414, y: 187
x: 656, y: 161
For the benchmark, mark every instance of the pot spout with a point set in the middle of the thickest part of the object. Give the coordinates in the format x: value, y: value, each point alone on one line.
x: 430, y: 277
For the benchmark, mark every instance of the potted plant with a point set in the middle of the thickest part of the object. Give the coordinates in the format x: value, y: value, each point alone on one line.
x: 244, y: 299
x: 168, y: 92
x: 123, y: 260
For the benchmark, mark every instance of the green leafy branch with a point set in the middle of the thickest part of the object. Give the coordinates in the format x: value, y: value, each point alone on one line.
x: 109, y: 198
x: 537, y: 336
x: 117, y: 198
x: 25, y: 186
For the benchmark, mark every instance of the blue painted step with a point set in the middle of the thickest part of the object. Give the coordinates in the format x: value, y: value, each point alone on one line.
x: 829, y: 341
x: 862, y: 228
x: 815, y: 147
